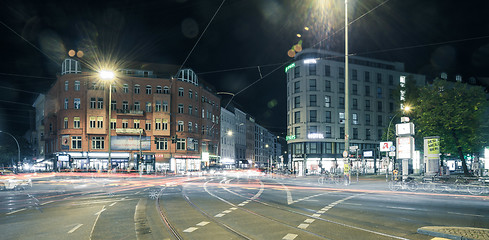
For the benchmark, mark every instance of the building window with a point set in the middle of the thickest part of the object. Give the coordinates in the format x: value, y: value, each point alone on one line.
x: 76, y: 142
x: 355, y: 103
x: 147, y: 125
x: 297, y: 72
x: 312, y: 100
x: 297, y: 132
x: 341, y: 87
x: 379, y: 120
x: 379, y: 134
x: 113, y: 105
x: 341, y: 72
x: 136, y: 123
x: 327, y: 116
x: 379, y: 78
x: 76, y: 122
x: 148, y: 107
x: 125, y: 88
x: 391, y: 107
x: 313, y: 116
x: 76, y: 103
x: 328, y: 132
x: 297, y: 117
x: 100, y: 103
x: 66, y: 85
x: 367, y: 133
x: 355, y: 133
x: 158, y: 124
x: 312, y: 69
x: 137, y: 106
x: 297, y: 102
x: 189, y: 126
x: 137, y: 89
x: 379, y: 92
x: 181, y: 144
x: 367, y: 105
x: 93, y: 103
x: 180, y: 126
x: 125, y: 105
x: 180, y: 92
x: 391, y: 80
x: 354, y: 89
x: 66, y: 103
x: 159, y: 89
x: 190, y: 93
x: 157, y: 106
x: 367, y: 119
x: 77, y: 85
x: 367, y: 90
x: 313, y: 129
x: 113, y: 123
x: 327, y: 70
x: 327, y: 101
x: 367, y: 76
x: 164, y: 124
x: 379, y: 106
x: 166, y: 90
x: 354, y: 75
x: 190, y: 109
x: 125, y: 123
x: 93, y: 122
x: 342, y: 133
x: 341, y: 117
x: 161, y: 143
x: 65, y: 123
x: 342, y: 102
x: 312, y: 85
x: 98, y: 142
x: 327, y: 86
x: 164, y: 106
x: 148, y: 89
x: 100, y: 122
x: 297, y: 87
x: 180, y: 108
x: 355, y: 118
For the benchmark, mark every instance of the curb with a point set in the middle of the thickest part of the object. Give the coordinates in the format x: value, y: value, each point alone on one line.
x: 438, y: 231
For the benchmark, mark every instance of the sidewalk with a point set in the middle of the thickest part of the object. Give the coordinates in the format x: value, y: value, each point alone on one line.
x: 462, y: 233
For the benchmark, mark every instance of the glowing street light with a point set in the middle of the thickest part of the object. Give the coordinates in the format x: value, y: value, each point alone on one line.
x: 108, y: 76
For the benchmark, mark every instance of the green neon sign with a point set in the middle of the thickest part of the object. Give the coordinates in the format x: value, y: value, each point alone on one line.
x: 289, y: 67
x: 291, y: 137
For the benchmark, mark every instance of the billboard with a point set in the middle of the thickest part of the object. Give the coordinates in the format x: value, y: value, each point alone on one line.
x: 130, y: 143
x: 385, y: 146
x: 405, y: 147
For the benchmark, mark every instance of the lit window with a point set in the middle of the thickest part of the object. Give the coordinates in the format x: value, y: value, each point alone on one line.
x: 76, y: 122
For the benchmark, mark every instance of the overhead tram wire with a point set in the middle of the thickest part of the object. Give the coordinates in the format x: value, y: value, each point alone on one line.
x: 198, y: 40
x: 34, y: 46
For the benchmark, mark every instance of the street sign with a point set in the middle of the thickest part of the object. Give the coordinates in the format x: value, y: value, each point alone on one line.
x: 392, y: 148
x: 345, y: 154
x: 384, y: 146
x: 392, y: 154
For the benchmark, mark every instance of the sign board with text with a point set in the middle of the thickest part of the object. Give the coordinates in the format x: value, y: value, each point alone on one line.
x: 405, y: 147
x: 385, y: 146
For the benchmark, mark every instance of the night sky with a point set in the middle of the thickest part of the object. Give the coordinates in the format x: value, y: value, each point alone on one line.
x: 245, y: 40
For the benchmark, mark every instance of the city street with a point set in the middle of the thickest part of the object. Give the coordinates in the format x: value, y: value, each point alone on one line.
x: 234, y: 205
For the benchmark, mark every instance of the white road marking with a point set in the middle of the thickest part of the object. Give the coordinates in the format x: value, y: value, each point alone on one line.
x: 303, y: 225
x: 75, y: 228
x: 201, y: 224
x: 190, y: 229
x: 219, y: 215
x: 403, y: 208
x: 100, y: 212
x: 113, y: 204
x: 289, y: 236
x: 466, y: 214
x: 309, y: 220
x: 46, y: 202
x: 233, y: 208
x: 226, y: 211
x: 95, y: 223
x: 22, y: 209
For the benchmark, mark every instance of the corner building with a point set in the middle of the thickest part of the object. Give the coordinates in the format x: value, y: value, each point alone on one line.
x: 158, y: 122
x: 316, y: 109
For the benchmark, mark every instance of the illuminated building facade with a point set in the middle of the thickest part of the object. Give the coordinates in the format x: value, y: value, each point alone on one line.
x: 158, y: 122
x: 316, y: 108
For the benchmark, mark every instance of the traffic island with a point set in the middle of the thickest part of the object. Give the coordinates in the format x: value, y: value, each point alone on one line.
x: 460, y: 233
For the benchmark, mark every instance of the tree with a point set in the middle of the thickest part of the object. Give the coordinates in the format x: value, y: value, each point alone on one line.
x: 453, y: 111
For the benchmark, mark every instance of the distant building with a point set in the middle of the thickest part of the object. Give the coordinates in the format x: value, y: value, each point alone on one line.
x: 157, y: 123
x: 316, y: 107
x: 228, y: 139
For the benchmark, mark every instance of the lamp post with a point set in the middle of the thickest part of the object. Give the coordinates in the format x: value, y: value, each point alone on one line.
x: 405, y: 109
x: 107, y: 75
x: 18, y: 147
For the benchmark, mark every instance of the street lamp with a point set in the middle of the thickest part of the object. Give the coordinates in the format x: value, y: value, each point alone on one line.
x: 107, y: 75
x: 18, y: 147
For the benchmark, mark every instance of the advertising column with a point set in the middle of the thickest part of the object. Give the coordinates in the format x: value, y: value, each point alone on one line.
x: 432, y: 155
x: 405, y: 146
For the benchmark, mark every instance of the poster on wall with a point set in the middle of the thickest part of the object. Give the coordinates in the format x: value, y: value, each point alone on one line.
x: 130, y: 143
x: 65, y: 142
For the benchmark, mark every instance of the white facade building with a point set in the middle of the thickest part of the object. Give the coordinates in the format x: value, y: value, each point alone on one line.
x: 228, y: 136
x: 316, y: 107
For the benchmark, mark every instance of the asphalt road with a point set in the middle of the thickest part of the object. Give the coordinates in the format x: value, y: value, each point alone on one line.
x: 227, y: 207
